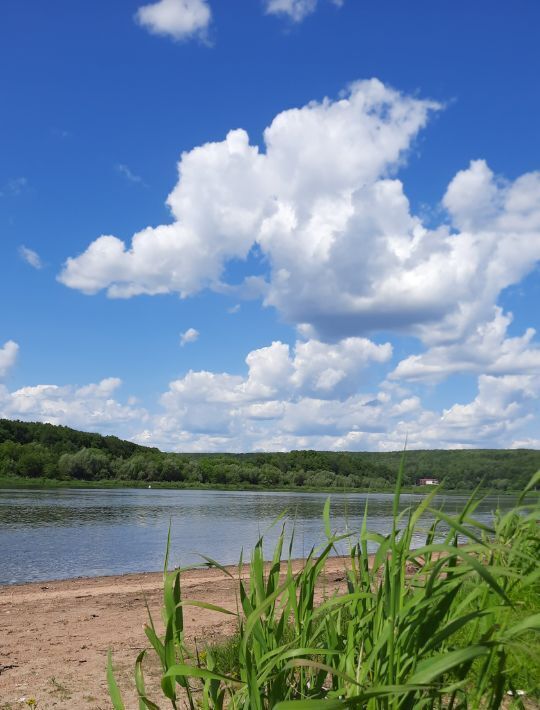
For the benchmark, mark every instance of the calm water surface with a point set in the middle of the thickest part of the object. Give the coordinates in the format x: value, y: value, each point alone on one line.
x: 65, y: 533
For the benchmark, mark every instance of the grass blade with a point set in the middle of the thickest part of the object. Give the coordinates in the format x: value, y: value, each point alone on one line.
x: 114, y: 690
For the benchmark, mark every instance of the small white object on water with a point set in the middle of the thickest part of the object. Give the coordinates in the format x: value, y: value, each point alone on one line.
x: 149, y: 486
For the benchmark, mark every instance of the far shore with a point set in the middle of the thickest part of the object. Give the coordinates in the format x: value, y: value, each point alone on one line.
x: 56, y: 635
x: 19, y: 483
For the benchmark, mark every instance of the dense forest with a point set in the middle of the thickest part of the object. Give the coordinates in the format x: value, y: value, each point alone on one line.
x: 45, y: 451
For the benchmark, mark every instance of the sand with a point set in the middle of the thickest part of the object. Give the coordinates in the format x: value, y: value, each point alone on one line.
x: 55, y: 636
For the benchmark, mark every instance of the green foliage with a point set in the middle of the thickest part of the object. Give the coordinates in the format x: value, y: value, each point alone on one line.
x: 443, y: 625
x: 44, y: 451
x: 86, y: 465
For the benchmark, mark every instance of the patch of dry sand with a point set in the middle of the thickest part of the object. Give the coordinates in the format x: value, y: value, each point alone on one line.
x: 55, y: 636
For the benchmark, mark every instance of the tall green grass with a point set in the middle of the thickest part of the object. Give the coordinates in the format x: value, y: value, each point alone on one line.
x: 450, y: 624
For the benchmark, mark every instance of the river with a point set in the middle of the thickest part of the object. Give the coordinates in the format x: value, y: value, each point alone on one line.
x: 64, y: 533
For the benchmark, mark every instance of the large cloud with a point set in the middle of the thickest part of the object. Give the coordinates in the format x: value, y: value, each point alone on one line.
x: 8, y: 356
x: 502, y: 407
x: 328, y: 371
x: 90, y: 407
x: 214, y: 412
x: 296, y: 197
x: 345, y: 255
x: 313, y: 395
x: 288, y: 400
x: 485, y: 350
x: 279, y: 383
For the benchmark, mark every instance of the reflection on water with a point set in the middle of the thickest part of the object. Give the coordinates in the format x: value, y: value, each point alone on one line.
x: 68, y: 533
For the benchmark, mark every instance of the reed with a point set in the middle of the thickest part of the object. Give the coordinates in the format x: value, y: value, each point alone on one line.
x: 448, y: 624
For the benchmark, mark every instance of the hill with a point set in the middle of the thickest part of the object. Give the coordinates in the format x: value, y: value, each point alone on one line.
x: 45, y: 451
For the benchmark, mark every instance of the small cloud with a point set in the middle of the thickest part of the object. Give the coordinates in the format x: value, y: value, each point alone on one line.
x: 234, y: 309
x: 61, y: 133
x: 8, y: 356
x: 179, y: 19
x: 296, y: 10
x: 189, y: 336
x: 14, y: 187
x: 17, y: 185
x: 31, y: 257
x: 128, y: 174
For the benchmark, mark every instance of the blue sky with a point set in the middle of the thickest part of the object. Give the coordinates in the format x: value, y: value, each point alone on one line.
x: 365, y: 270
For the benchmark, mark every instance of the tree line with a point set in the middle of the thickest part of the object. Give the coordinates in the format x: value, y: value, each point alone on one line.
x: 46, y: 451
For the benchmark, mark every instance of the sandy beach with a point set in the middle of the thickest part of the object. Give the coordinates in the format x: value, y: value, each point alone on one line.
x: 55, y: 635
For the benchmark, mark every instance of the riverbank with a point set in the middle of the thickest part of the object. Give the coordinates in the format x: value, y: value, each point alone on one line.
x: 56, y: 635
x: 20, y: 483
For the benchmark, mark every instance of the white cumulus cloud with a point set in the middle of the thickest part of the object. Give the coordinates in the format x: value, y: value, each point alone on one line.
x: 309, y: 395
x: 287, y: 394
x: 487, y: 350
x: 346, y: 256
x: 179, y: 19
x: 91, y: 407
x: 230, y: 195
x: 274, y: 407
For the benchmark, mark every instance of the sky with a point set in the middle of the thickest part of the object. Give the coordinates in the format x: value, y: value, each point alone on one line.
x: 243, y: 225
